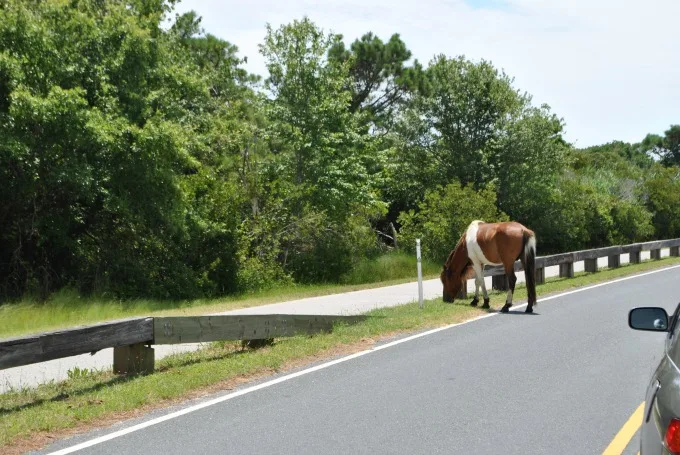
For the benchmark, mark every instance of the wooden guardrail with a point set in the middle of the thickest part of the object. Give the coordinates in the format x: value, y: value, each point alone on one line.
x: 131, y: 339
x: 199, y: 329
x: 589, y: 257
x: 46, y: 346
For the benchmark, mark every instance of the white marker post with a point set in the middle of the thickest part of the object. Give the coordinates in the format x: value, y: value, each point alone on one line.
x: 420, y: 274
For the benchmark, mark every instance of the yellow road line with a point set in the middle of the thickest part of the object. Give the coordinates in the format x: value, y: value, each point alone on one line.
x: 625, y: 434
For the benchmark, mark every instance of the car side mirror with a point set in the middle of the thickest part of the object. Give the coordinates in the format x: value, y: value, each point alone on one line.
x: 652, y: 319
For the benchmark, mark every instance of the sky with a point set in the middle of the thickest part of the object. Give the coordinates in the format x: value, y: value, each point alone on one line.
x: 609, y: 68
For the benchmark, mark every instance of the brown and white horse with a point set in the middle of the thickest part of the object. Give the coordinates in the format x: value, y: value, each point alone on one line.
x: 491, y: 244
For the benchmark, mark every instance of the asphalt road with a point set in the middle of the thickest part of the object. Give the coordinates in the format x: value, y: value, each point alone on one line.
x: 563, y: 380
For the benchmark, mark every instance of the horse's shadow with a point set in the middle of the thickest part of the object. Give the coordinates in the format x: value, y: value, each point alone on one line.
x: 64, y: 391
x: 498, y: 310
x: 515, y: 312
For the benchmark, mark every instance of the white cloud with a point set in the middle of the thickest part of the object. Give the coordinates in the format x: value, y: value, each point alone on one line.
x: 608, y: 67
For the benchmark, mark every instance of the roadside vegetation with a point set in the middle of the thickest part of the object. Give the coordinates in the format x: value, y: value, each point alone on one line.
x: 66, y: 308
x: 33, y: 417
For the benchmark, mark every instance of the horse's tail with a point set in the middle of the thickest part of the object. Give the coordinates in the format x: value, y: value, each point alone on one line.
x: 529, y: 264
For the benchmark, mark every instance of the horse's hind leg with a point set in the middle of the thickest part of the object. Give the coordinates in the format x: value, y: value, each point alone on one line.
x: 512, y: 280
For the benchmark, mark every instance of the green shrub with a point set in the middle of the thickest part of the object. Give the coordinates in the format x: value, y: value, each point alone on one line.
x: 443, y: 217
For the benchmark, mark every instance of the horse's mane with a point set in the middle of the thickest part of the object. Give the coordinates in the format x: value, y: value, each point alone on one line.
x: 467, y: 271
x: 461, y: 241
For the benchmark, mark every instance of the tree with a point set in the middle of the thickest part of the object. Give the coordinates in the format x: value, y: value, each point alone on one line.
x: 219, y: 57
x: 618, y: 153
x: 666, y: 148
x: 380, y: 79
x: 324, y: 157
x: 473, y: 127
x: 103, y: 152
x: 464, y: 111
x: 527, y: 158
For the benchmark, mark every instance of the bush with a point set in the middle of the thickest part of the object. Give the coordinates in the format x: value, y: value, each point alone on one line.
x: 322, y: 250
x: 633, y: 222
x: 662, y: 195
x: 443, y: 217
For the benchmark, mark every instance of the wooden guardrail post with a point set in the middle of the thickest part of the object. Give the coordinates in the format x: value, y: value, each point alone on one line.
x: 590, y: 265
x: 499, y: 282
x: 540, y: 275
x: 634, y: 257
x: 655, y: 254
x: 614, y: 261
x: 675, y: 251
x: 133, y: 359
x: 567, y: 270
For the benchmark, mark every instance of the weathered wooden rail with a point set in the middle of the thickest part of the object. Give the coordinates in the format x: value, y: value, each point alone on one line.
x: 131, y: 339
x: 589, y: 257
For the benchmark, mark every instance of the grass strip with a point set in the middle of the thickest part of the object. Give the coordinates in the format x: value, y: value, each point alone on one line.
x: 30, y: 418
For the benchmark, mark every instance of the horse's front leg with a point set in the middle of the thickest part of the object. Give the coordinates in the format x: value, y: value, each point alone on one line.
x: 486, y: 295
x: 479, y: 282
x: 475, y: 300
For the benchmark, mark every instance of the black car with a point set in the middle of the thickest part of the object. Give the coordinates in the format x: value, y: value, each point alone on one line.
x: 660, y: 431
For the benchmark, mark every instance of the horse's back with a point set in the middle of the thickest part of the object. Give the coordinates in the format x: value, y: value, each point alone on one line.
x: 501, y: 242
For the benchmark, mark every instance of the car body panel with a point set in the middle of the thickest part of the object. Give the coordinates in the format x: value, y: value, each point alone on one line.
x: 662, y: 396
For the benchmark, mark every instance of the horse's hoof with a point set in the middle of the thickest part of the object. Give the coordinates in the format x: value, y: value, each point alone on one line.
x: 474, y: 302
x: 529, y: 310
x: 486, y: 304
x: 506, y: 307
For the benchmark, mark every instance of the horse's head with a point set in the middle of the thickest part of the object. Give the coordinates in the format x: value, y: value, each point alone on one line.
x: 456, y: 270
x: 452, y: 280
x: 445, y: 277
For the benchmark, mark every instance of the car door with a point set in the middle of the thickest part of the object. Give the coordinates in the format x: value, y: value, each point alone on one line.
x: 663, y: 394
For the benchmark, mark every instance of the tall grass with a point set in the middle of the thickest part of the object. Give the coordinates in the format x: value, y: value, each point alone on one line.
x: 388, y: 267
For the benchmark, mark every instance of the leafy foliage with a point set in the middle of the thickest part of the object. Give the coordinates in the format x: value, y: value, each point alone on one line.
x: 444, y: 215
x: 381, y: 82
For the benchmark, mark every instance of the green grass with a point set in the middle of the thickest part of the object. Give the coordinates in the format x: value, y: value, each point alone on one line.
x: 67, y: 308
x: 91, y: 397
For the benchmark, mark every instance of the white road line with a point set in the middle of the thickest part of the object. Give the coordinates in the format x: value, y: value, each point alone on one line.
x: 287, y: 377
